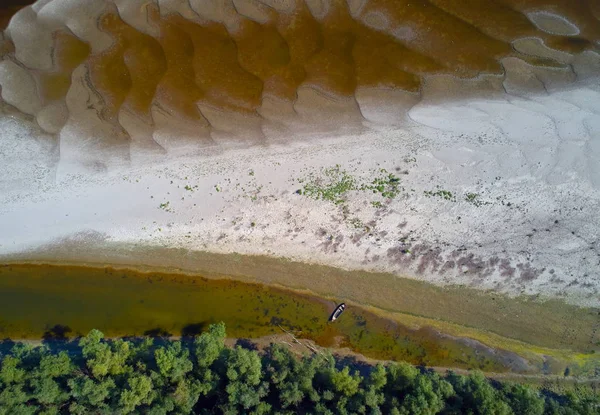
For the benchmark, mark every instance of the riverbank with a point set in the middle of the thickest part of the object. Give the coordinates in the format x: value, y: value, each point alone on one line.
x: 300, y: 347
x: 547, y: 323
x: 205, y: 373
x: 523, y: 336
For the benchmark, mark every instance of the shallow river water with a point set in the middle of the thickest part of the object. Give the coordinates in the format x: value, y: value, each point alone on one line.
x: 52, y: 301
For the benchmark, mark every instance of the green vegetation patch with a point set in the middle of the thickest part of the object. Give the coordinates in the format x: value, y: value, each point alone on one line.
x: 334, y: 184
x: 166, y: 206
x: 201, y: 375
x: 386, y: 184
x: 441, y: 193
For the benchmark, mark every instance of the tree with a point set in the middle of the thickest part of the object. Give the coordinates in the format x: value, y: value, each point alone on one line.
x: 399, y: 381
x: 344, y: 383
x: 10, y: 372
x: 244, y: 386
x: 582, y: 401
x: 207, y: 349
x: 13, y: 399
x: 523, y: 400
x: 427, y: 397
x: 48, y: 392
x: 90, y: 394
x: 401, y: 377
x: 173, y: 362
x: 477, y: 396
x: 291, y: 378
x: 186, y: 394
x: 138, y: 393
x: 54, y: 366
x: 208, y: 346
x: 116, y: 376
x: 373, y: 395
x: 337, y: 387
x: 104, y: 358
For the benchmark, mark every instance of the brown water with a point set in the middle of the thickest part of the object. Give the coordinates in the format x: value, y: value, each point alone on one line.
x: 50, y: 301
x: 229, y: 56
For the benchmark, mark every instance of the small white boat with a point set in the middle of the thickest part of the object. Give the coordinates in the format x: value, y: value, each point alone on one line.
x: 337, y: 312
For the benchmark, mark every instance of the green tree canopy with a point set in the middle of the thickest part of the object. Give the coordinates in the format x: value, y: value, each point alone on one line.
x: 201, y: 375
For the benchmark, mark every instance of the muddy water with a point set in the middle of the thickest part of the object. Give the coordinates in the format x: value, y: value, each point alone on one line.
x: 43, y: 300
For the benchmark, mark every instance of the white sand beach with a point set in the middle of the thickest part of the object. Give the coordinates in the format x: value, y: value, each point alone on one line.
x: 500, y: 194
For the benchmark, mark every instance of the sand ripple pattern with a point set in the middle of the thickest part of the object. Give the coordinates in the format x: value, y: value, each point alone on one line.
x: 125, y: 78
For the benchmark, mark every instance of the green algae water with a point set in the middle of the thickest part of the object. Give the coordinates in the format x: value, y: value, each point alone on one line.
x: 45, y: 301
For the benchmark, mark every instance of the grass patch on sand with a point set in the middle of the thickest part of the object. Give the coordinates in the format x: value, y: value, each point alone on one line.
x: 334, y: 184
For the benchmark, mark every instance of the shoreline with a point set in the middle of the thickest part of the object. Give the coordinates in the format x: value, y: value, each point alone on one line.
x: 494, y: 319
x: 526, y: 344
x: 545, y: 380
